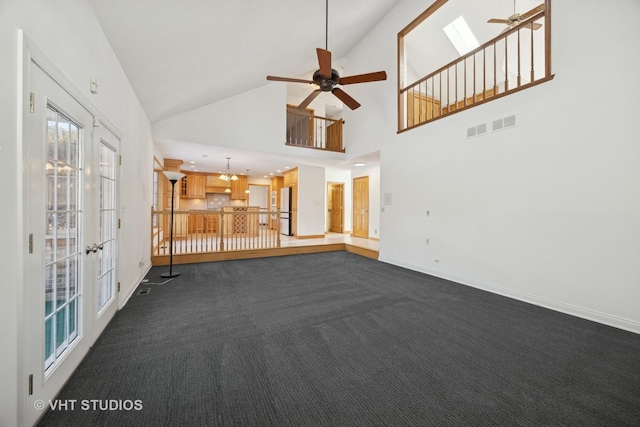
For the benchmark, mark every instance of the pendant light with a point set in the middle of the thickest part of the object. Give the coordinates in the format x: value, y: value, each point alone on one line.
x: 228, y: 176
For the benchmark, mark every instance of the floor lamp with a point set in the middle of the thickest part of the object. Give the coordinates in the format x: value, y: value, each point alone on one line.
x: 173, y: 178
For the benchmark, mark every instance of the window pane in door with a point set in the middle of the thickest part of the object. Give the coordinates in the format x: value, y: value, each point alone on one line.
x: 62, y: 234
x: 106, y: 275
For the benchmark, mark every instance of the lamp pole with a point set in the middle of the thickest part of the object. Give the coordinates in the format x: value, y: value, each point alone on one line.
x: 173, y: 178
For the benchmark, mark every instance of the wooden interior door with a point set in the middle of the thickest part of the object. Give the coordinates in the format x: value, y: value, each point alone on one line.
x: 336, y: 202
x: 361, y: 207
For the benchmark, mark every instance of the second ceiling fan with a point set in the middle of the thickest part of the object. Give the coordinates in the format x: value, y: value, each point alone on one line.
x: 327, y: 78
x: 516, y: 18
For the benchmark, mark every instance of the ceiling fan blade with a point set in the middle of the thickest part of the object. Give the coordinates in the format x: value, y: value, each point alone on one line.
x: 304, y: 104
x: 348, y: 101
x: 533, y: 11
x: 287, y: 79
x: 497, y: 21
x: 324, y: 61
x: 363, y: 78
x: 535, y: 25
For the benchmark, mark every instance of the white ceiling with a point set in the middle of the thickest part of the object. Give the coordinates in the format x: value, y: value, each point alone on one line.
x: 181, y: 55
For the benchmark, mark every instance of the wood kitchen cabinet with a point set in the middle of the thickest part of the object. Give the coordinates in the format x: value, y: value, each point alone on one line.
x: 239, y: 187
x: 195, y: 186
x: 203, y: 223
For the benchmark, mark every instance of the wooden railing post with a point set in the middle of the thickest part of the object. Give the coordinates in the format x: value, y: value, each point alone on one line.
x: 222, y: 229
x: 278, y: 228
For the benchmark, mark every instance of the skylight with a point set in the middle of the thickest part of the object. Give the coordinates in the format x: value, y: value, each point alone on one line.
x: 461, y: 36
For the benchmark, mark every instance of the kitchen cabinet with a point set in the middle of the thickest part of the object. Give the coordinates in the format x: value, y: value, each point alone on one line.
x: 195, y: 186
x: 203, y: 223
x: 213, y: 180
x: 291, y: 178
x: 239, y: 187
x: 213, y: 183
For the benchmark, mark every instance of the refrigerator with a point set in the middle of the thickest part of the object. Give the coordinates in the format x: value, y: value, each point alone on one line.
x: 285, y: 211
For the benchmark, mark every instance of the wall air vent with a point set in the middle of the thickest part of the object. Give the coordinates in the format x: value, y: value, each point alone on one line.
x: 509, y: 121
x: 477, y: 130
x: 497, y: 125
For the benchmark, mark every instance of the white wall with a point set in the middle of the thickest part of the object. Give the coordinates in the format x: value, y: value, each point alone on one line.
x: 70, y: 37
x: 311, y: 202
x: 546, y: 211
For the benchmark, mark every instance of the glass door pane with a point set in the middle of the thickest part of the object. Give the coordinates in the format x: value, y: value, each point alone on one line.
x: 106, y: 264
x: 62, y: 234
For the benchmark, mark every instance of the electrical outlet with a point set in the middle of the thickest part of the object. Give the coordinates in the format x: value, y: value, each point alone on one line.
x: 426, y: 241
x: 428, y: 213
x: 437, y: 261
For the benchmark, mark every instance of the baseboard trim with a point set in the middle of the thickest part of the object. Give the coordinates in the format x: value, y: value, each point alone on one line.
x: 132, y: 288
x: 573, y: 310
x: 178, y: 259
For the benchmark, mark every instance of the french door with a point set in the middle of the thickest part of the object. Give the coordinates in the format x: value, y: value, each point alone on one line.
x: 70, y: 183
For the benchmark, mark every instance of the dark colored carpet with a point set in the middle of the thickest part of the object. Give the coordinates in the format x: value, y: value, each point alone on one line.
x: 335, y: 339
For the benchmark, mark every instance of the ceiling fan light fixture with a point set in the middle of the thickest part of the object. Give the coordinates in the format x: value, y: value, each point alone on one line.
x: 326, y: 78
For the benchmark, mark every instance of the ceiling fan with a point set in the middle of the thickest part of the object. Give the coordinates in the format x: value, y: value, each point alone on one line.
x: 516, y: 18
x: 327, y: 78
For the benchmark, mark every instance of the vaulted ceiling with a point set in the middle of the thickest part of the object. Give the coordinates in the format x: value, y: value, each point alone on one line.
x: 181, y: 55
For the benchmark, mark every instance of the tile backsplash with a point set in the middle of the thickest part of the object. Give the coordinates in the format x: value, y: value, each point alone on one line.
x: 217, y: 200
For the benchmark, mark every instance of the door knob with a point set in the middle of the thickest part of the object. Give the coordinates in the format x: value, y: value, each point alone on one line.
x: 93, y: 248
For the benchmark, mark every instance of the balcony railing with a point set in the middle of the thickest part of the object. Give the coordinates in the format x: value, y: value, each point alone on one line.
x: 307, y: 130
x: 207, y: 231
x: 515, y: 59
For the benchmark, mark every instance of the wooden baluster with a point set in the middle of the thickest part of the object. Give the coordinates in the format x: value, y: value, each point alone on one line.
x: 519, y: 80
x: 533, y: 75
x: 221, y: 229
x: 495, y: 84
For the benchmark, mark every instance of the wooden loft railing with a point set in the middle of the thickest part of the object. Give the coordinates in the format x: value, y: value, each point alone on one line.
x: 514, y: 60
x: 306, y: 130
x: 208, y: 231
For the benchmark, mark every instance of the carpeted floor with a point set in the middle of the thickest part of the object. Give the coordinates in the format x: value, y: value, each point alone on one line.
x: 335, y: 339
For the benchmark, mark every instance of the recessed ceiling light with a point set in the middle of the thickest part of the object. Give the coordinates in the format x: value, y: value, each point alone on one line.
x: 287, y: 167
x: 278, y: 171
x: 359, y: 164
x: 192, y: 166
x: 270, y: 173
x: 192, y: 162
